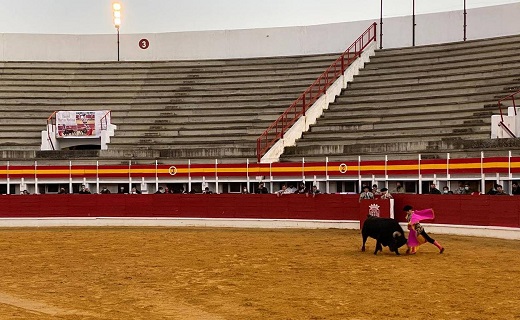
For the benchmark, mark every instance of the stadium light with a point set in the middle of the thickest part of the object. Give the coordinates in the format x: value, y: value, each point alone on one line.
x: 381, y: 27
x: 116, y: 10
x: 413, y: 23
x: 465, y: 25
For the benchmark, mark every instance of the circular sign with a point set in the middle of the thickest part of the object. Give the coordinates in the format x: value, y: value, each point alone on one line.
x: 144, y: 44
x: 342, y: 168
x: 172, y: 170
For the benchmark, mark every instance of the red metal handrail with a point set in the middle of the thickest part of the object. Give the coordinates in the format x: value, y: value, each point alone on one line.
x: 105, y: 119
x: 298, y: 108
x: 512, y: 98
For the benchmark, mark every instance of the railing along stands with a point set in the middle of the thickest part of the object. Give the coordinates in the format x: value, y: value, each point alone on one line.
x: 298, y: 108
x: 502, y: 124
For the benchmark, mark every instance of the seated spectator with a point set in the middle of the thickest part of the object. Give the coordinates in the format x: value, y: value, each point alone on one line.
x: 385, y: 194
x: 182, y: 191
x: 366, y: 194
x: 302, y: 188
x: 433, y: 189
x: 500, y: 191
x: 375, y: 190
x: 62, y: 191
x: 399, y: 188
x: 446, y: 190
x: 122, y: 190
x: 87, y: 191
x: 207, y: 191
x: 261, y: 189
x: 192, y: 191
x: 515, y: 190
x: 135, y: 191
x: 244, y: 190
x: 105, y: 190
x: 25, y: 192
x: 292, y: 189
x: 160, y: 190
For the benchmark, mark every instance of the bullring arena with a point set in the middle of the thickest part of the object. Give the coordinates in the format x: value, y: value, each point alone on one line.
x: 130, y: 187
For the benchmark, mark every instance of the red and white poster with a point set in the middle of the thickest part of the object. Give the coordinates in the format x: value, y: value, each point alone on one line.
x: 79, y: 124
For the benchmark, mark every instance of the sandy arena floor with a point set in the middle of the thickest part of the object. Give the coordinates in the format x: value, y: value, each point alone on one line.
x: 194, y: 273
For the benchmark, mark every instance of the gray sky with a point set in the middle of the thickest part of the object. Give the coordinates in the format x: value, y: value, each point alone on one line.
x: 143, y: 16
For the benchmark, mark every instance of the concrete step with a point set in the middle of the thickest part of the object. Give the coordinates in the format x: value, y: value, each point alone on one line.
x: 111, y: 65
x: 446, y: 69
x: 485, y: 44
x: 203, y: 133
x: 373, y: 83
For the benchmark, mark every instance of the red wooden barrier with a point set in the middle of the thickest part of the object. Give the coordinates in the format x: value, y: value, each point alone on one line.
x: 321, y: 207
x: 481, y: 210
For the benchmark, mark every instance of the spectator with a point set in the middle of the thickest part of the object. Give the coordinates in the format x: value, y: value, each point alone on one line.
x: 460, y: 189
x: 314, y: 191
x: 446, y: 190
x: 292, y: 189
x: 83, y: 190
x: 121, y: 190
x: 500, y: 191
x: 192, y: 191
x: 302, y: 188
x: 366, y: 194
x: 515, y: 190
x: 135, y: 191
x: 399, y: 188
x: 105, y: 190
x: 182, y: 191
x: 160, y: 190
x: 493, y: 190
x: 433, y: 189
x: 261, y: 189
x: 87, y: 191
x: 207, y: 191
x: 244, y: 190
x: 283, y: 190
x: 385, y: 194
x: 466, y: 189
x: 25, y: 192
x: 375, y: 190
x: 62, y: 191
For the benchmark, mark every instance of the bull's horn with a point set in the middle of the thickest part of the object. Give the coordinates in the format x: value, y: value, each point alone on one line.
x: 396, y: 234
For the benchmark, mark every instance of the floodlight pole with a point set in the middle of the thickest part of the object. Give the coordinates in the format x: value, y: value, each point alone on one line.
x: 381, y: 27
x: 413, y: 23
x: 117, y: 43
x: 465, y: 25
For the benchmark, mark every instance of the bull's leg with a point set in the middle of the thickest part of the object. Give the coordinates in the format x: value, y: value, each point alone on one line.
x: 365, y: 237
x: 378, y: 247
x: 397, y: 252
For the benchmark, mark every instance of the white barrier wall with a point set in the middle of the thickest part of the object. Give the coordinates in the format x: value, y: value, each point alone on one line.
x: 431, y: 28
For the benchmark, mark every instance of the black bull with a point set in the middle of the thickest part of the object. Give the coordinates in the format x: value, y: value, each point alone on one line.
x: 386, y: 231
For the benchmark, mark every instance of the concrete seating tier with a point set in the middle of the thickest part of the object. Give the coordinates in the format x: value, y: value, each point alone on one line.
x: 430, y: 100
x: 206, y: 109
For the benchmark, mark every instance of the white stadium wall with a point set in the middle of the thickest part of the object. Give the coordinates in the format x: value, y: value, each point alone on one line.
x: 433, y: 28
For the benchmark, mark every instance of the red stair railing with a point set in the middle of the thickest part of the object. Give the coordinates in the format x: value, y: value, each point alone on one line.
x: 298, y: 108
x: 502, y: 124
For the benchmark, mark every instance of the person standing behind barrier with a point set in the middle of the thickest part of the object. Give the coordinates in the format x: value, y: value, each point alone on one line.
x: 385, y: 194
x: 515, y: 190
x: 261, y: 189
x: 302, y: 188
x: 418, y: 235
x: 433, y: 189
x: 366, y: 194
x: 399, y: 188
x: 314, y: 191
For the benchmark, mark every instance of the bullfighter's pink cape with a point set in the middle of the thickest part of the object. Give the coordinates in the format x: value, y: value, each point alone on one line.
x: 418, y: 216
